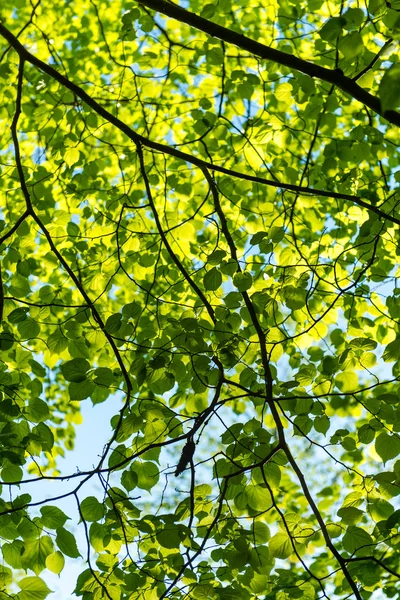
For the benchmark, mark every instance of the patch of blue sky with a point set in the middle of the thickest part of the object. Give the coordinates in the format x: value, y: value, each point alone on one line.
x: 75, y: 218
x: 77, y: 171
x: 106, y: 78
x: 113, y: 292
x: 38, y: 156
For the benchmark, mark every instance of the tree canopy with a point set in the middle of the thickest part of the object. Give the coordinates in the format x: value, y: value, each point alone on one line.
x: 200, y: 218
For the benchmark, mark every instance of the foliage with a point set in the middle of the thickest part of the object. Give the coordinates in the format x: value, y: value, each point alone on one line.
x: 200, y: 226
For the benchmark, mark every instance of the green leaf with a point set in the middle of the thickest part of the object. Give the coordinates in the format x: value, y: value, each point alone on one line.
x: 168, y: 538
x: 294, y: 298
x: 33, y: 588
x: 258, y: 497
x: 332, y: 29
x: 12, y: 553
x: 129, y: 480
x: 11, y: 474
x: 113, y: 323
x: 132, y: 310
x: 389, y: 93
x: 363, y: 343
x: 91, y: 509
x: 118, y: 455
x: 38, y: 410
x: 71, y: 156
x: 366, y: 434
x: 346, y: 381
x: 243, y: 281
x: 216, y: 257
x: 358, y: 542
x: 28, y: 329
x: 258, y: 237
x: 334, y: 530
x: 17, y: 316
x: 55, y: 562
x: 147, y: 474
x: 273, y: 474
x: 380, y: 509
x: 351, y: 45
x: 392, y: 351
x: 75, y: 370
x: 280, y: 545
x: 57, y: 343
x: 36, y: 552
x: 66, y: 542
x: 5, y: 576
x: 260, y: 532
x: 53, y: 517
x: 81, y: 390
x: 350, y: 515
x: 387, y: 446
x: 208, y: 11
x: 78, y: 348
x: 212, y: 280
x: 283, y: 92
x: 353, y: 17
x: 322, y: 424
x: 5, y: 71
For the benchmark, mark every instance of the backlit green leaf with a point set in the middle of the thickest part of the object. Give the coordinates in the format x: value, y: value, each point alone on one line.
x: 389, y: 88
x: 280, y: 545
x: 55, y: 562
x: 53, y: 517
x: 66, y: 542
x: 212, y: 279
x: 91, y: 509
x: 33, y: 588
x: 75, y: 370
x: 356, y: 541
x: 387, y: 446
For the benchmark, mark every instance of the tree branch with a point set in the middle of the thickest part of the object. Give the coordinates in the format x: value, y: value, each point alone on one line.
x: 333, y: 76
x: 165, y: 149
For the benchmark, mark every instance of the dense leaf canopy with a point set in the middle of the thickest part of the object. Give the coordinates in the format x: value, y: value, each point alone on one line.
x: 200, y: 228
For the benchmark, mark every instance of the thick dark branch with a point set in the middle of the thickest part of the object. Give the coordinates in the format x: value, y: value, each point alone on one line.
x: 14, y: 228
x: 14, y: 135
x: 333, y: 76
x: 373, y: 61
